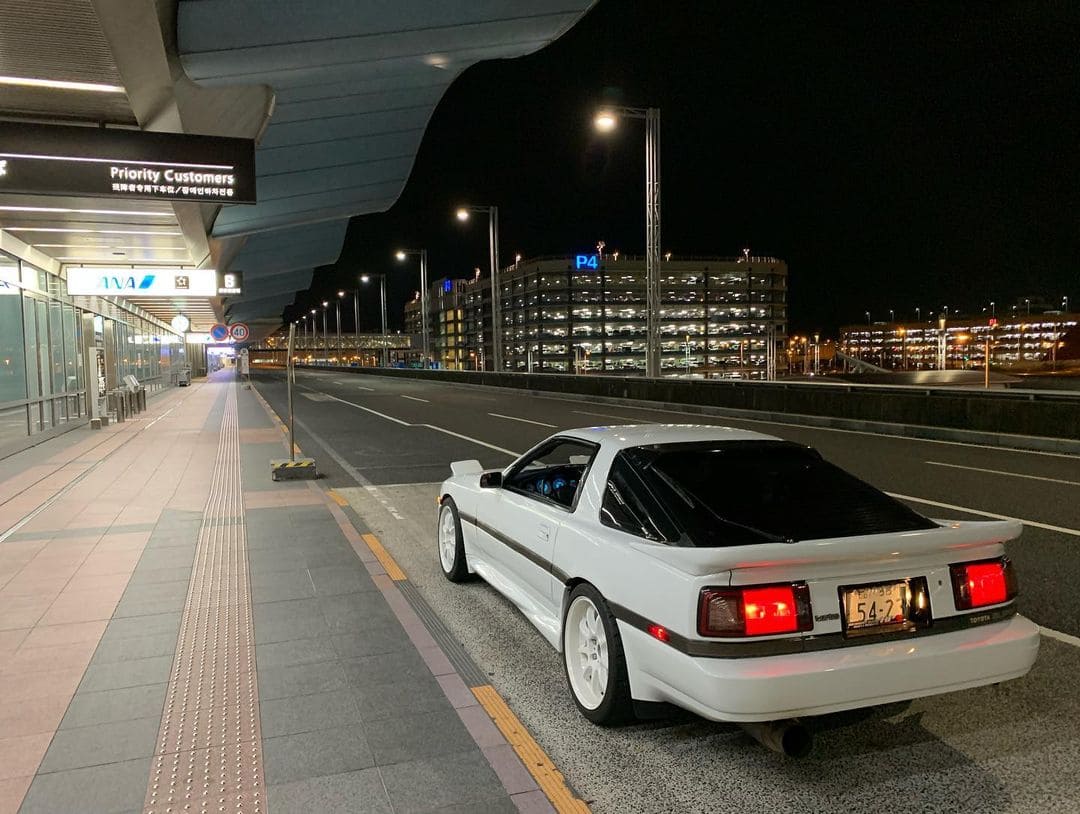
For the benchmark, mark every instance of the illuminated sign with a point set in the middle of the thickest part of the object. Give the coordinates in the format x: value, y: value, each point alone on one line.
x: 145, y: 282
x: 448, y: 286
x: 47, y: 159
x: 230, y: 283
x: 587, y: 261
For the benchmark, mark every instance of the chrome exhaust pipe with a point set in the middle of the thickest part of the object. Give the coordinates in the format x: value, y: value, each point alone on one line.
x: 789, y: 737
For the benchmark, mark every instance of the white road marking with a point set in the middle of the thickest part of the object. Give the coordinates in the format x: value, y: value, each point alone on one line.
x: 523, y: 420
x: 639, y: 420
x: 1033, y: 523
x: 443, y: 430
x: 1061, y: 637
x: 1003, y: 472
x: 414, y: 398
x: 369, y: 389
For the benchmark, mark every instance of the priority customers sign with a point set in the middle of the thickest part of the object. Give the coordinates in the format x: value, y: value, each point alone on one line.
x: 45, y: 159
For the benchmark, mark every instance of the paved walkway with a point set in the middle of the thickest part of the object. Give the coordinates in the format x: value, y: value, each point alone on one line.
x: 180, y: 634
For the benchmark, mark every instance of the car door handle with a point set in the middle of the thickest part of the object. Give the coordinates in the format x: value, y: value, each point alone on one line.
x: 544, y: 532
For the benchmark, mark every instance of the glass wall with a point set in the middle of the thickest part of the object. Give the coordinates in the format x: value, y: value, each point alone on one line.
x: 42, y: 367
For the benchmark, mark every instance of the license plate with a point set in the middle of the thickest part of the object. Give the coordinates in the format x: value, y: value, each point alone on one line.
x: 877, y: 608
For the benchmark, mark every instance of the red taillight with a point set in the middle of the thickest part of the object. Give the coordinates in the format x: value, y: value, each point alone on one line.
x: 986, y: 582
x: 759, y: 610
x: 659, y: 632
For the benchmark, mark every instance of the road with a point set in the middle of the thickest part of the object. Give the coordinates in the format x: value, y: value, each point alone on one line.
x: 386, y: 443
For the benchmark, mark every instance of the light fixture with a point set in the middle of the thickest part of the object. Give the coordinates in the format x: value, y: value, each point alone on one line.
x: 89, y: 231
x: 463, y: 214
x: 325, y: 304
x: 180, y: 323
x: 605, y: 121
x: 66, y: 210
x: 57, y: 84
x: 364, y: 278
x: 341, y: 293
x: 400, y: 255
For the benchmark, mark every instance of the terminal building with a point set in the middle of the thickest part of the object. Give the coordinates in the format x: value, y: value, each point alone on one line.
x: 719, y: 317
x: 1017, y: 341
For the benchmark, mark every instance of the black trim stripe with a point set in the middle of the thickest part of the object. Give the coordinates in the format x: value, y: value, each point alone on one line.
x: 770, y: 647
x: 517, y: 547
x: 810, y: 644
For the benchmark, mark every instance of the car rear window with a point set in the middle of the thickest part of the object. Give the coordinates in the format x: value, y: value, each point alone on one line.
x: 744, y: 492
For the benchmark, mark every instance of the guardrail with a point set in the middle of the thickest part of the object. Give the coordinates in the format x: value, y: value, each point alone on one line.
x: 1044, y: 414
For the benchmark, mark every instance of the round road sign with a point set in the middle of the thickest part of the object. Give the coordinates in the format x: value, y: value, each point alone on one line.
x: 219, y: 333
x: 239, y: 331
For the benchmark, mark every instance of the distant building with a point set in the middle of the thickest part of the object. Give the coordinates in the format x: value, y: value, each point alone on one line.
x: 1016, y: 340
x: 587, y: 314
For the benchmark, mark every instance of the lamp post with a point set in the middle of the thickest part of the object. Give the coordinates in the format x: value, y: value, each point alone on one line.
x: 356, y: 318
x: 366, y: 278
x: 337, y: 308
x: 402, y: 255
x: 314, y: 330
x: 325, y: 332
x: 606, y: 120
x: 463, y: 214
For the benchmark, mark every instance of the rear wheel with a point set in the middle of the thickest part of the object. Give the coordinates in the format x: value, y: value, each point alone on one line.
x: 593, y: 659
x: 451, y: 543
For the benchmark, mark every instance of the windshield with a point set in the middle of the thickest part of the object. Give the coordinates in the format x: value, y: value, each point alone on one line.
x: 743, y: 492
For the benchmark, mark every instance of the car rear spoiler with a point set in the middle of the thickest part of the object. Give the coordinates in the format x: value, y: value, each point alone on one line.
x: 951, y: 535
x: 471, y: 467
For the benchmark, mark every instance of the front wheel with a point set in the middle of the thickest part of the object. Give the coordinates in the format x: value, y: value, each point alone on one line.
x: 593, y: 659
x: 451, y: 543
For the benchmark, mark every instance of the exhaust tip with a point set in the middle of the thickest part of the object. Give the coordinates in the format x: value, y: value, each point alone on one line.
x: 790, y: 738
x: 797, y: 741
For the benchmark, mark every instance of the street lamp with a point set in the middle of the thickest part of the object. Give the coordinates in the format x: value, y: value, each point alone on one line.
x: 402, y: 255
x: 463, y: 214
x: 325, y: 332
x: 605, y: 121
x: 337, y: 306
x: 314, y: 329
x: 366, y: 278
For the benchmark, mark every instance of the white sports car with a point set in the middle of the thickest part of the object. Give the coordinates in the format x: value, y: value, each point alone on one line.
x: 733, y: 574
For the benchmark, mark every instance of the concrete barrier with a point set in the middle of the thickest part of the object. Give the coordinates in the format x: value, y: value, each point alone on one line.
x: 1048, y: 415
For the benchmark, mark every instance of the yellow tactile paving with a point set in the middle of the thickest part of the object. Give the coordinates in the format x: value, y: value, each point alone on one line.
x: 393, y: 570
x: 548, y: 778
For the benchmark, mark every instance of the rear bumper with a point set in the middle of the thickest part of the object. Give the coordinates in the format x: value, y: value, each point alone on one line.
x: 775, y: 687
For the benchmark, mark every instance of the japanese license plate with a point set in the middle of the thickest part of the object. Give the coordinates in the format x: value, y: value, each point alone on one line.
x: 877, y: 608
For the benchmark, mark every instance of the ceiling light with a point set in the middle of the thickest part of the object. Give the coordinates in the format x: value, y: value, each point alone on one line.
x: 104, y: 246
x: 64, y: 210
x: 56, y: 84
x: 88, y: 231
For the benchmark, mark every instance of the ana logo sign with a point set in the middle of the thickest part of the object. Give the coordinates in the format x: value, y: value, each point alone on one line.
x: 587, y: 261
x: 129, y: 283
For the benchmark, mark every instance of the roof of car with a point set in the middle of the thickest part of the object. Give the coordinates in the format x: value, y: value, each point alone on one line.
x: 636, y: 435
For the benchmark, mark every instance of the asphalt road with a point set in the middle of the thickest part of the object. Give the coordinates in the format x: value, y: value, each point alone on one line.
x: 386, y: 443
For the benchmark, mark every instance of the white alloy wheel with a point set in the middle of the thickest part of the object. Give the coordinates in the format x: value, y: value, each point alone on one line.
x: 447, y: 538
x: 585, y: 648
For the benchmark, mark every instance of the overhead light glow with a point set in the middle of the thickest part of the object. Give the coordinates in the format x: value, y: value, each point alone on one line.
x: 105, y: 247
x: 56, y: 84
x: 605, y: 121
x: 400, y: 255
x: 463, y: 214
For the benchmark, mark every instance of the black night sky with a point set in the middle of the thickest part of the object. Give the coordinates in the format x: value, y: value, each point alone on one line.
x: 896, y: 155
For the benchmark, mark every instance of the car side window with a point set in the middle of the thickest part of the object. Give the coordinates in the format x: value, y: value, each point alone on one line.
x: 554, y: 472
x: 629, y: 506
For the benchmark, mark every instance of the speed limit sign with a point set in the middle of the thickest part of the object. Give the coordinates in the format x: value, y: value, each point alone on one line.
x: 239, y: 332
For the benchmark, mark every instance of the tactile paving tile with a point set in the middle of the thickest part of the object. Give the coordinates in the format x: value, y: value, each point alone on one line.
x: 209, y: 747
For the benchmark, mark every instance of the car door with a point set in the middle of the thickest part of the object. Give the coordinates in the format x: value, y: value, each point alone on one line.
x: 536, y: 497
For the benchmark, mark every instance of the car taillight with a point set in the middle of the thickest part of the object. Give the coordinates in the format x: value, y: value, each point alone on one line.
x: 981, y: 583
x: 756, y: 610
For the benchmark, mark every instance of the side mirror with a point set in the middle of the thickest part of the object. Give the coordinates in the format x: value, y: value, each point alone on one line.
x: 491, y: 480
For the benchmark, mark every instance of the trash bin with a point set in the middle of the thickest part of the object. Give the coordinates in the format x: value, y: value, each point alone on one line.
x: 183, y: 377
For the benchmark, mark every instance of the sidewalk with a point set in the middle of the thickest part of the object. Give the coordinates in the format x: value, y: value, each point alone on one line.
x: 179, y: 633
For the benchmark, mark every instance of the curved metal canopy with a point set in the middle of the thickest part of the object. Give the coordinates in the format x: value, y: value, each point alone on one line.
x: 355, y: 84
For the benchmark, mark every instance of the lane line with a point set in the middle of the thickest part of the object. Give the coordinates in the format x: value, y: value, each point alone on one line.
x: 639, y: 419
x: 338, y: 499
x: 1003, y: 472
x: 369, y: 389
x: 548, y: 778
x: 1033, y: 523
x: 523, y: 420
x: 1059, y: 636
x: 443, y: 430
x: 393, y: 570
x: 414, y: 398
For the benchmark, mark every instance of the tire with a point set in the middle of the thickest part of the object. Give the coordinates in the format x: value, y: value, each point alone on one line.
x: 593, y: 659
x: 451, y: 545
